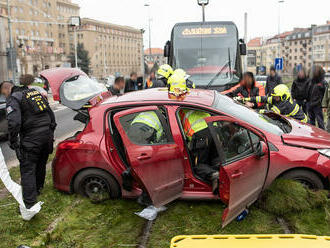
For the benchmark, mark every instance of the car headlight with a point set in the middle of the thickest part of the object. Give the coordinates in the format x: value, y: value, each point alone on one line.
x: 325, y: 152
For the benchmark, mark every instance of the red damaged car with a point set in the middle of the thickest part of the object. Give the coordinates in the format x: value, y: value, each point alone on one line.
x: 256, y: 149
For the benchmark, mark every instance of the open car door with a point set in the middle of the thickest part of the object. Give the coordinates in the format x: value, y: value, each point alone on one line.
x: 73, y: 88
x: 244, y: 163
x: 157, y: 164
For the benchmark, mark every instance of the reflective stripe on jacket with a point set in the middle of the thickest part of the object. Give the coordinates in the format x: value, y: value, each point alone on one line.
x: 150, y: 119
x: 288, y: 108
x: 193, y: 121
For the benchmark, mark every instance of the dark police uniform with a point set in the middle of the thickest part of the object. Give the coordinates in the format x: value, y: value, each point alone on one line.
x: 31, y: 125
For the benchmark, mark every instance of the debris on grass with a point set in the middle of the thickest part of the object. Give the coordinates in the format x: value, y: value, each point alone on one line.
x: 284, y: 197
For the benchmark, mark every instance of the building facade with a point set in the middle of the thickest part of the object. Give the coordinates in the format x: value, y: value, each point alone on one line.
x: 40, y: 32
x: 254, y: 54
x: 113, y: 49
x: 301, y: 47
x: 321, y: 45
x: 297, y: 50
x: 153, y: 56
x: 42, y: 38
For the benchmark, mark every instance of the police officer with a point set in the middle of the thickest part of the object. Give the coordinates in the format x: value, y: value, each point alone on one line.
x: 281, y: 102
x: 146, y: 128
x: 31, y: 125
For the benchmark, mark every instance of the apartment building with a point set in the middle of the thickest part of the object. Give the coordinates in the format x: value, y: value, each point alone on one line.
x: 112, y: 48
x: 297, y: 50
x: 321, y: 45
x: 255, y: 54
x: 40, y: 32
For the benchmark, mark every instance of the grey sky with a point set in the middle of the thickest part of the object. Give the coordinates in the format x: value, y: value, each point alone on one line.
x: 262, y: 14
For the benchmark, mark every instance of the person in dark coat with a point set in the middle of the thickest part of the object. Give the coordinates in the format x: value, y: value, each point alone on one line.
x: 247, y: 89
x: 299, y: 89
x: 131, y: 84
x: 118, y: 86
x: 31, y: 126
x: 272, y: 80
x: 316, y: 90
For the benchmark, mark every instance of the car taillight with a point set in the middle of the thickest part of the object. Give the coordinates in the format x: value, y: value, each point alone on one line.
x: 68, y: 145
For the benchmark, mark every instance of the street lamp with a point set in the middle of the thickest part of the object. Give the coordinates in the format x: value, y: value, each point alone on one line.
x: 11, y: 46
x: 149, y: 23
x: 74, y: 23
x: 203, y: 3
x: 279, y: 27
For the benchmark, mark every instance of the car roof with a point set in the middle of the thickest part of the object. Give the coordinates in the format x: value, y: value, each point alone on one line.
x: 204, y: 97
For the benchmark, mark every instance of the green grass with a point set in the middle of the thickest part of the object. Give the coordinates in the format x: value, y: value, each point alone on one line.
x: 188, y: 218
x: 80, y: 223
x: 38, y: 84
x: 305, y: 211
x: 15, y: 175
x: 14, y: 231
x: 111, y: 224
x: 288, y: 197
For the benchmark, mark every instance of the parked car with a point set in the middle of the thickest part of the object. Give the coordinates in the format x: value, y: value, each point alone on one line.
x: 3, y: 120
x: 251, y: 149
x: 261, y: 79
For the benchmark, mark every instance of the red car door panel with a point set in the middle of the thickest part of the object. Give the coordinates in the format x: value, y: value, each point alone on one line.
x: 241, y: 180
x: 158, y: 167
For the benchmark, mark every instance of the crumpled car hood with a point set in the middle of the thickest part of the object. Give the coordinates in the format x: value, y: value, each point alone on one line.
x: 305, y: 135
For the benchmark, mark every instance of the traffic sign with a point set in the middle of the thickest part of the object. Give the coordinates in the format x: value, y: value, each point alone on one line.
x: 278, y: 64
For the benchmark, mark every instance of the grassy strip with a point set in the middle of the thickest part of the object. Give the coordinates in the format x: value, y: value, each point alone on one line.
x: 62, y: 223
x: 72, y: 221
x: 14, y: 231
x: 305, y: 211
x: 110, y: 224
x: 15, y: 175
x: 188, y: 218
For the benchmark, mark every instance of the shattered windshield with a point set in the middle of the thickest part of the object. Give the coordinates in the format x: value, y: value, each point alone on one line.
x: 239, y: 111
x: 204, y: 51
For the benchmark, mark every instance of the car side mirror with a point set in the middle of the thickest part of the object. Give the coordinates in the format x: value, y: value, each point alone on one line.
x: 167, y: 49
x: 261, y: 149
x: 242, y: 48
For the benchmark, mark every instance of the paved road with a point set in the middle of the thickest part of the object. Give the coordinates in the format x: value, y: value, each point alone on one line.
x: 65, y: 127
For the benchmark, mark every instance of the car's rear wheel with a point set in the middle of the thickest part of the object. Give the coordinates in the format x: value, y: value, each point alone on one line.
x: 96, y: 184
x: 307, y: 178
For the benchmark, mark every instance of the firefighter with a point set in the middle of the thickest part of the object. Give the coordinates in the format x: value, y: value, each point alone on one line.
x: 196, y: 131
x: 31, y: 125
x: 146, y: 128
x: 163, y: 73
x: 281, y: 102
x: 182, y: 73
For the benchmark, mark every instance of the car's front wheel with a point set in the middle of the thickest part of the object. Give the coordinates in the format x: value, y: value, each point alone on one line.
x: 307, y: 178
x: 96, y: 184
